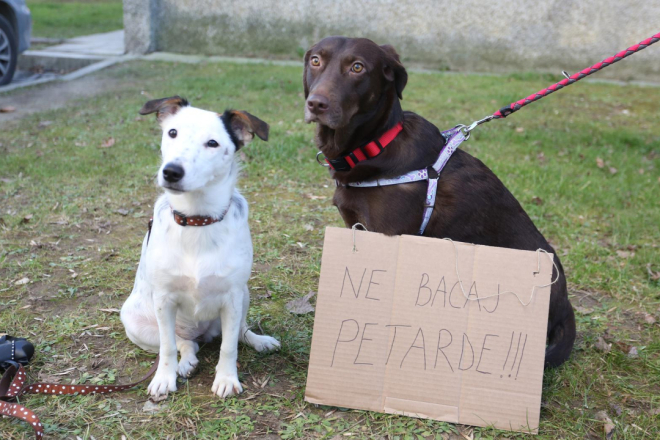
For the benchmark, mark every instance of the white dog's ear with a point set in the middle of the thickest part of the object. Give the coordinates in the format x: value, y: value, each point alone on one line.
x: 242, y: 127
x: 164, y: 107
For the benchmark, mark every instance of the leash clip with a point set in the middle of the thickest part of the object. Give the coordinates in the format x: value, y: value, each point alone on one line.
x: 467, y: 130
x: 323, y: 164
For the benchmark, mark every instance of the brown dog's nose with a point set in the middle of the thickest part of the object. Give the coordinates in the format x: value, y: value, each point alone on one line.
x: 317, y: 104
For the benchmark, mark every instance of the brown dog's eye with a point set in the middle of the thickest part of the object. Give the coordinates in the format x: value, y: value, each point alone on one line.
x: 212, y: 144
x: 315, y: 61
x: 357, y: 67
x: 172, y: 133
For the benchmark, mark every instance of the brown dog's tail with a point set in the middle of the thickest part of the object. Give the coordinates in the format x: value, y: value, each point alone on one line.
x: 561, y: 337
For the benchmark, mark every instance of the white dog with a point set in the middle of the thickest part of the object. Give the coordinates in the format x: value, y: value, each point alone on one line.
x: 191, y: 282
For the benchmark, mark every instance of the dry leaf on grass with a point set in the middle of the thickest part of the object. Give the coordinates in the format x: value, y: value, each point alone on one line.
x: 625, y: 254
x: 608, y: 425
x: 584, y: 310
x: 22, y: 281
x: 655, y: 276
x: 313, y: 197
x: 122, y: 211
x: 648, y: 318
x: 300, y: 306
x: 27, y: 218
x: 613, y: 170
x: 632, y: 353
x: 603, y: 346
x: 600, y: 163
x: 308, y: 227
x: 537, y: 200
x: 108, y: 143
x: 7, y: 109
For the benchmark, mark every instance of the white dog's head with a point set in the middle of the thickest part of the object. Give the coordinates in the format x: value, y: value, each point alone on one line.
x: 198, y: 146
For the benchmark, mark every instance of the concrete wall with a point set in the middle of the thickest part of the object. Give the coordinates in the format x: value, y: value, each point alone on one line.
x: 467, y: 35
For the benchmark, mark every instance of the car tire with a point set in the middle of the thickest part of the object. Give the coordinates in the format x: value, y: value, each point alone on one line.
x: 8, y: 51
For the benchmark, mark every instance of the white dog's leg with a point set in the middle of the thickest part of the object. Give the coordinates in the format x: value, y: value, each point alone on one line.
x: 258, y: 342
x: 188, y: 362
x: 226, y: 375
x: 165, y: 378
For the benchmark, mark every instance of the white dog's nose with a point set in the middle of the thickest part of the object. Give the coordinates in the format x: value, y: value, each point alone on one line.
x: 173, y: 172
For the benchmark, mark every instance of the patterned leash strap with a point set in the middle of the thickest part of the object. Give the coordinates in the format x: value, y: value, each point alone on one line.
x: 567, y: 81
x: 12, y: 385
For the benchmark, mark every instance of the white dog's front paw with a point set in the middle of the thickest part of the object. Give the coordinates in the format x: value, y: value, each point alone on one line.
x: 161, y: 384
x: 187, y: 366
x: 226, y: 385
x: 265, y: 343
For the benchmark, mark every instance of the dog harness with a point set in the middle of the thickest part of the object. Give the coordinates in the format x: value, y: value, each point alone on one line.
x: 454, y: 137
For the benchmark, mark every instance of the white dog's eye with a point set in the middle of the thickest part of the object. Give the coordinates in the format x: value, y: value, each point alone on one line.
x: 172, y: 133
x: 212, y: 144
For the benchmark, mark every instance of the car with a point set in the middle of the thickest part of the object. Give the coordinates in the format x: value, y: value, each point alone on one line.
x: 15, y: 31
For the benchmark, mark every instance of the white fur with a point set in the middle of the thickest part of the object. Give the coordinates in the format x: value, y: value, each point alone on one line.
x: 191, y: 283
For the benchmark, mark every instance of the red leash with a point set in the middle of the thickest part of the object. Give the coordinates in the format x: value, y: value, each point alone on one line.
x: 515, y: 106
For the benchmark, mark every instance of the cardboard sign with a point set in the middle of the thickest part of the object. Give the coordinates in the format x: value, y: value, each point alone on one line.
x: 395, y: 333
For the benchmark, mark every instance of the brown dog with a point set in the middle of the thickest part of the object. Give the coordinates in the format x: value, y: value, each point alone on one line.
x: 352, y: 90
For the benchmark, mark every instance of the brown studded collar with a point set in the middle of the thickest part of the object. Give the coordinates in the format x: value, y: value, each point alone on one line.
x: 196, y: 220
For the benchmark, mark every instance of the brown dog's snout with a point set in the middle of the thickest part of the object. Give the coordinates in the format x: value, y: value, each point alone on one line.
x: 318, y: 104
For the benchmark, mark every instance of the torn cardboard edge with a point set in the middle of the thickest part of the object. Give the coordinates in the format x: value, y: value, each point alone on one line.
x: 394, y: 333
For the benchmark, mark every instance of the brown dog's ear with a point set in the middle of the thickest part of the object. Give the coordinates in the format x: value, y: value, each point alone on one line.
x: 305, y: 67
x: 164, y: 107
x: 242, y: 127
x: 394, y: 70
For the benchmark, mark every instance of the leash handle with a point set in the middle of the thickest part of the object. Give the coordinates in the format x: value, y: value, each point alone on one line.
x: 12, y: 385
x: 567, y: 81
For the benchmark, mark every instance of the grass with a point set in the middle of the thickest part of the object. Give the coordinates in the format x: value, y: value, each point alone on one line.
x: 80, y: 253
x: 70, y: 18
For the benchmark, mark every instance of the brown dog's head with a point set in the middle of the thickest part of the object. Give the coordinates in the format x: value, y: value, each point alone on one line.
x: 345, y: 77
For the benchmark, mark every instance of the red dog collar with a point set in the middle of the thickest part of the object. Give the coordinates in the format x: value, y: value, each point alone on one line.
x: 195, y: 220
x: 371, y: 150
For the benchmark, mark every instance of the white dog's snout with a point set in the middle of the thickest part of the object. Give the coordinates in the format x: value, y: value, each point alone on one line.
x: 173, y: 172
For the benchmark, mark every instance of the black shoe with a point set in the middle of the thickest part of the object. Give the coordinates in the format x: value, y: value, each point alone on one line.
x: 14, y: 350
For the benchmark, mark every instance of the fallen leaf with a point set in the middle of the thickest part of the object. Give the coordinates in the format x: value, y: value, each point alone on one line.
x: 537, y: 200
x: 22, y: 281
x: 301, y: 305
x: 313, y: 197
x: 584, y: 310
x: 632, y: 354
x: 608, y: 425
x: 655, y: 276
x: 603, y: 346
x: 308, y: 227
x: 600, y: 162
x: 613, y: 170
x: 27, y: 218
x: 7, y: 109
x: 122, y: 211
x: 649, y: 319
x: 625, y: 254
x: 151, y: 407
x: 520, y: 130
x: 108, y: 143
x: 641, y: 171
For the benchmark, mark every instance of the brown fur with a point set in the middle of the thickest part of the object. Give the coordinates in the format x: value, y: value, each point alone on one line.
x: 472, y: 204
